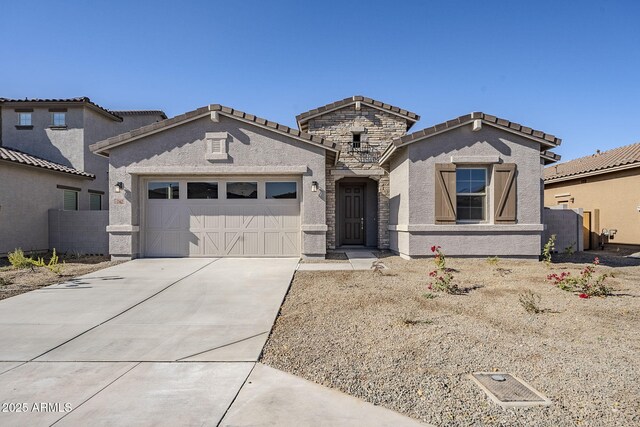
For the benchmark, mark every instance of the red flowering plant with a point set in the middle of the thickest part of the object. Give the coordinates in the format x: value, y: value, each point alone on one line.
x: 442, y: 276
x: 586, y: 285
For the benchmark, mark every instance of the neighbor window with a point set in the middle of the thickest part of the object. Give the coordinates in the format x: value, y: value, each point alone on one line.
x: 70, y: 202
x: 242, y: 190
x: 163, y: 190
x: 471, y: 194
x: 95, y: 201
x: 58, y: 119
x: 202, y: 190
x: 281, y: 190
x: 24, y: 119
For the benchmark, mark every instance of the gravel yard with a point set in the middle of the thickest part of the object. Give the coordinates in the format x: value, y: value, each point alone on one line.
x: 377, y: 337
x: 18, y: 281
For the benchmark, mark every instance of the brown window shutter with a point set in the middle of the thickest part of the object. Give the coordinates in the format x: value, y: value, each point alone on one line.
x: 445, y: 193
x: 505, y: 193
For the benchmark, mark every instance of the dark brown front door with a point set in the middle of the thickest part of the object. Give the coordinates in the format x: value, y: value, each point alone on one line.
x: 353, y: 214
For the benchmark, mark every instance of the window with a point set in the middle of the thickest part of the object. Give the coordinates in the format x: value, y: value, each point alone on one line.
x: 95, y: 201
x: 202, y: 190
x: 471, y: 194
x: 58, y: 119
x: 24, y: 119
x: 281, y: 190
x: 355, y: 143
x: 242, y: 190
x: 163, y: 190
x: 70, y: 200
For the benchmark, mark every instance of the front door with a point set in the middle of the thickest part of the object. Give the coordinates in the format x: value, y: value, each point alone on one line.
x: 353, y: 214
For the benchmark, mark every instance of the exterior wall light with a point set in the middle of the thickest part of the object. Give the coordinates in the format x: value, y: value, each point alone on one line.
x: 314, y: 186
x: 118, y: 187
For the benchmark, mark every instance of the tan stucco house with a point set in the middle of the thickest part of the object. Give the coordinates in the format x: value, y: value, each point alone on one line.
x: 221, y: 182
x: 46, y: 168
x: 606, y: 186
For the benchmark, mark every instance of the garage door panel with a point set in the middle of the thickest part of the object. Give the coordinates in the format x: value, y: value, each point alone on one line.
x: 220, y: 227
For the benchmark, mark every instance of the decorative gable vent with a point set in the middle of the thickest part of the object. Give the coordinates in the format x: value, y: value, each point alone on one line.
x: 216, y: 146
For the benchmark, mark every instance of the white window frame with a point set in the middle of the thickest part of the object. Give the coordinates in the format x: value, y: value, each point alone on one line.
x: 22, y: 115
x: 62, y: 114
x: 486, y: 211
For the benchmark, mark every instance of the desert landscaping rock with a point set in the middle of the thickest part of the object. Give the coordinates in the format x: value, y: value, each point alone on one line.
x: 377, y: 337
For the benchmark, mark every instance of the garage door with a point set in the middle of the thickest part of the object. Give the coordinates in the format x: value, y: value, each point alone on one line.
x: 222, y: 217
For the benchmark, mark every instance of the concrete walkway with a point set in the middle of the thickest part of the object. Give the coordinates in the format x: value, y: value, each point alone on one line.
x: 359, y: 259
x: 156, y: 342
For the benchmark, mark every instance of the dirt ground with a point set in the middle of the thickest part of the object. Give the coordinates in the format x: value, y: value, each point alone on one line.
x: 18, y: 281
x: 379, y: 338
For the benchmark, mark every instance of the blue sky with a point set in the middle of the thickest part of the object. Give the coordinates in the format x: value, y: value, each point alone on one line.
x: 568, y: 68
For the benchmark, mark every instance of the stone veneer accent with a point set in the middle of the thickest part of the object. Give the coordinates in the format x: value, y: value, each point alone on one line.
x: 380, y: 128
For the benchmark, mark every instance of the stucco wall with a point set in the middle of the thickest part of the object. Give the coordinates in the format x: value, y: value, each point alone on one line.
x: 380, y: 129
x: 82, y: 232
x: 26, y: 197
x: 62, y: 146
x: 184, y: 146
x: 566, y: 224
x: 417, y: 197
x: 616, y: 195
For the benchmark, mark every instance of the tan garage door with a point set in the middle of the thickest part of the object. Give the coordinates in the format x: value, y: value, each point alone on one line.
x: 222, y: 217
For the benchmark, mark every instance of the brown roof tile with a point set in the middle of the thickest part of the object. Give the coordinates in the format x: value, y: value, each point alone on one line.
x: 140, y: 113
x: 304, y: 117
x: 627, y: 155
x: 19, y: 157
x: 102, y: 146
x: 79, y: 100
x: 553, y: 140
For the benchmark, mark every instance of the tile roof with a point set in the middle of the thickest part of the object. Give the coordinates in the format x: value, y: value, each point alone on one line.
x: 628, y: 155
x: 547, y: 139
x: 19, y: 157
x: 512, y: 126
x: 82, y: 99
x: 139, y: 113
x: 104, y: 146
x: 304, y: 117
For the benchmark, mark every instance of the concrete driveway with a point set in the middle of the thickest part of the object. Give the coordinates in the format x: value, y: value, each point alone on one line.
x: 159, y: 342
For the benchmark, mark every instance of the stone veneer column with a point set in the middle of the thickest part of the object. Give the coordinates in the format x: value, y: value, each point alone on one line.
x: 383, y: 212
x: 330, y: 203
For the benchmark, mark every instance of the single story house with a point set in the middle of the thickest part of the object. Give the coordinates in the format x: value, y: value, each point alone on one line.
x: 221, y: 182
x: 606, y: 186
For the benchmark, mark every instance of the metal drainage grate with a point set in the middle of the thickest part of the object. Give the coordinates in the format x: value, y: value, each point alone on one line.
x: 507, y: 390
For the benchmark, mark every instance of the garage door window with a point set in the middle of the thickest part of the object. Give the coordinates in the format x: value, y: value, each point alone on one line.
x: 164, y: 190
x: 202, y: 190
x: 281, y: 190
x: 242, y: 190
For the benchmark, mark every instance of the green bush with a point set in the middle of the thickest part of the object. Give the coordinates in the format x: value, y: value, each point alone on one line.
x: 19, y: 260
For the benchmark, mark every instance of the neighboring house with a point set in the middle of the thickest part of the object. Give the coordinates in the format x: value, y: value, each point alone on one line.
x: 220, y: 182
x: 45, y: 162
x: 606, y: 185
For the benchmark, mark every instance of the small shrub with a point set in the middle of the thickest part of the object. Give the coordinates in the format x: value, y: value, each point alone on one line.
x: 429, y: 295
x: 569, y: 250
x: 530, y: 301
x: 19, y: 260
x: 4, y: 282
x: 442, y: 276
x: 54, y: 266
x: 585, y: 285
x: 548, y: 249
x: 493, y: 260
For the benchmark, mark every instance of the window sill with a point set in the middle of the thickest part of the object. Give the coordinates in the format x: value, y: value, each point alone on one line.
x: 57, y: 127
x: 24, y: 127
